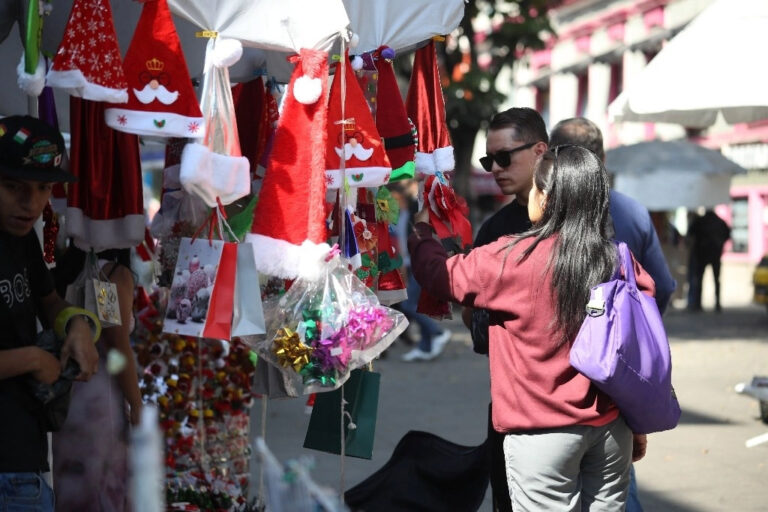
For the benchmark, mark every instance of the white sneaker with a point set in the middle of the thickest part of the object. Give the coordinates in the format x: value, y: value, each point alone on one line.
x: 416, y: 354
x: 439, y: 342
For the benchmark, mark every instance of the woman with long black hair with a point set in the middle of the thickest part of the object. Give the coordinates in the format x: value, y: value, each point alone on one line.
x: 566, y: 446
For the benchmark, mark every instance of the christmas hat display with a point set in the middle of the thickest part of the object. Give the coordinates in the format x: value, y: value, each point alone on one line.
x: 105, y: 207
x: 288, y: 231
x: 87, y: 63
x: 426, y: 108
x: 353, y: 137
x: 161, y: 100
x: 32, y: 66
x: 392, y: 119
x: 214, y: 169
x: 252, y: 114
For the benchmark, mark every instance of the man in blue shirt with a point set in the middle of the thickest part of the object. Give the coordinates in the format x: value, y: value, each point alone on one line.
x: 632, y: 225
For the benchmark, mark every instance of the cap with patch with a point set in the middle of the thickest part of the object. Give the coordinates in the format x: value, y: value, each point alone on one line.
x: 31, y: 149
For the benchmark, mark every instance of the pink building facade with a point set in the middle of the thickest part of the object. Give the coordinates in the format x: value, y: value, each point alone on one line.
x: 601, y: 45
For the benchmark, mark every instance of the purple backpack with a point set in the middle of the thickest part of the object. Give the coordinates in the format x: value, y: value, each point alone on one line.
x: 622, y: 348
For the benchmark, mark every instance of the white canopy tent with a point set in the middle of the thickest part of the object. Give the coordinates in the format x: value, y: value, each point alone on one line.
x: 270, y: 30
x: 664, y: 175
x: 713, y: 67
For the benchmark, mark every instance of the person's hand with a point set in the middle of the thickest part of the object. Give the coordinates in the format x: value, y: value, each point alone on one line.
x: 47, y: 366
x: 639, y: 445
x: 79, y: 345
x: 421, y: 216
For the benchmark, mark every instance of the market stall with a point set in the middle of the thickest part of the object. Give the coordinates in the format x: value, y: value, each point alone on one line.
x: 271, y: 270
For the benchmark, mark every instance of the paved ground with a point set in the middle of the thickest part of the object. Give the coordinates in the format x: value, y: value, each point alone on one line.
x: 703, y: 465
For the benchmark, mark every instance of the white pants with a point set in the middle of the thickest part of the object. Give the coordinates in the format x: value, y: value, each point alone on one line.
x: 569, y: 469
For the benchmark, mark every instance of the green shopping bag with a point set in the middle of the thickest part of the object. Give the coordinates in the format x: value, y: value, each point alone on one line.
x: 361, y: 393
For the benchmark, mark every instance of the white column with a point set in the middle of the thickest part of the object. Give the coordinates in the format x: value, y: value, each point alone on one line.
x: 563, y: 97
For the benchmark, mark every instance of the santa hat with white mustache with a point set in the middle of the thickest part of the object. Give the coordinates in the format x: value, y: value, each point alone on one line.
x: 161, y: 99
x: 354, y: 138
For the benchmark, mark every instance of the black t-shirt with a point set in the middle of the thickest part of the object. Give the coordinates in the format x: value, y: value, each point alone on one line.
x: 24, y: 280
x: 511, y: 219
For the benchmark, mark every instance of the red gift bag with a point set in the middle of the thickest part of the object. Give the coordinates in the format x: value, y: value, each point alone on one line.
x: 218, y: 323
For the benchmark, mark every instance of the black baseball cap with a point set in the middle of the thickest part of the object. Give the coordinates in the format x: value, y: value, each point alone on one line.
x: 31, y: 149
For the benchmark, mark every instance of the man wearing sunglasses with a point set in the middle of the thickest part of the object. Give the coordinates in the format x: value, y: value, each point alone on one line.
x: 517, y: 137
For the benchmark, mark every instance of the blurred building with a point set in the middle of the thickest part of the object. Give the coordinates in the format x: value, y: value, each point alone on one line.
x: 601, y: 45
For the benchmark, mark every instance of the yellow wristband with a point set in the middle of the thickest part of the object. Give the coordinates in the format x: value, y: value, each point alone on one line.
x: 61, y: 324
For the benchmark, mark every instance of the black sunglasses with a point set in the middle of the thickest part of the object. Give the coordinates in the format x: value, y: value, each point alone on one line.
x: 503, y: 157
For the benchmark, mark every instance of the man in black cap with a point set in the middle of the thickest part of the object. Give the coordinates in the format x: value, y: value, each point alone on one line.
x: 31, y: 153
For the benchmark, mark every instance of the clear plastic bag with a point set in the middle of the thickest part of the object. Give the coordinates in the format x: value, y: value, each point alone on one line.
x: 322, y: 329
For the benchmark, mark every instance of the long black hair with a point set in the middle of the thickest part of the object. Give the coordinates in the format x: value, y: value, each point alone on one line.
x: 576, y: 211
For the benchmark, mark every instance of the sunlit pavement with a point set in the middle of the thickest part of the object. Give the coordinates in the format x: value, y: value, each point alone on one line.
x: 702, y: 465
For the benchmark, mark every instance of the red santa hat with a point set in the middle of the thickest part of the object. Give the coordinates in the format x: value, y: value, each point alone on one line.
x: 88, y: 63
x: 355, y: 136
x: 105, y: 207
x: 288, y: 230
x: 161, y: 100
x: 392, y: 120
x: 426, y: 108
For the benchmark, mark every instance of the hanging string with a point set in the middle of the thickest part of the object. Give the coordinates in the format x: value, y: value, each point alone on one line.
x: 342, y: 227
x: 261, y: 499
x: 343, y: 443
x: 345, y: 186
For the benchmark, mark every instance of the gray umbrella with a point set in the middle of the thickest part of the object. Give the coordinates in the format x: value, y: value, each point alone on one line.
x: 664, y: 175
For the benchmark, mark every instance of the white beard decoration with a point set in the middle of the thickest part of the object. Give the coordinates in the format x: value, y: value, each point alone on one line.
x: 155, y: 91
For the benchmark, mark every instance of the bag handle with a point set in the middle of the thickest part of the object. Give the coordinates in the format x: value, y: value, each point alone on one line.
x: 626, y: 263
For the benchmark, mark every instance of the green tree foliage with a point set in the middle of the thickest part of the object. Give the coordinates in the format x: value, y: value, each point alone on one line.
x: 492, y: 34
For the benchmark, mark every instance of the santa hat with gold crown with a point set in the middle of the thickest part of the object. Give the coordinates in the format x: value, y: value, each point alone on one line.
x: 161, y: 99
x: 354, y: 138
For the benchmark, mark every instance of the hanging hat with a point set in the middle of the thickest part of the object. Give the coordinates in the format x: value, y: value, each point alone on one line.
x: 214, y: 168
x: 426, y: 108
x: 252, y: 117
x: 32, y: 66
x: 161, y: 100
x: 105, y: 208
x: 88, y: 63
x: 288, y: 231
x: 356, y: 138
x: 392, y: 120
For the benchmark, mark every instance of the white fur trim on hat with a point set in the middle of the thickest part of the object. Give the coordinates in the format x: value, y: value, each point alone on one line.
x: 307, y: 90
x: 225, y: 52
x: 32, y: 85
x: 280, y: 258
x: 389, y: 297
x: 75, y: 83
x: 122, y: 233
x: 211, y: 175
x: 154, y: 124
x: 441, y: 160
x: 359, y: 177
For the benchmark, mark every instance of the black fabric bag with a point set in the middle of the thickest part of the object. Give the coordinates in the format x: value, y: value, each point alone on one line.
x: 479, y: 330
x: 53, y: 398
x: 425, y: 473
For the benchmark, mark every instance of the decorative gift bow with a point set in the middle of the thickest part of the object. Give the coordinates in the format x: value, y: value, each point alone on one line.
x: 447, y: 211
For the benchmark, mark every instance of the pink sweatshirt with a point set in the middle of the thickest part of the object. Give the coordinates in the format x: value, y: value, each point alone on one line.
x: 533, y: 385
